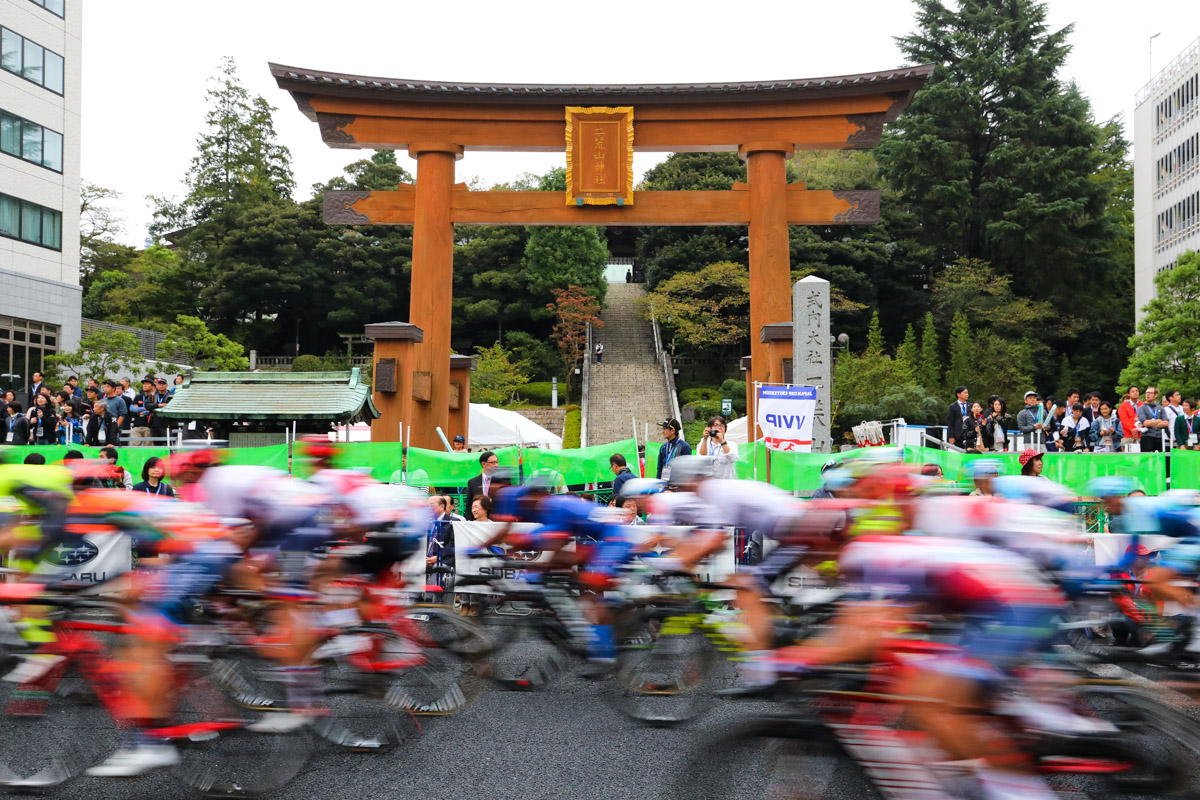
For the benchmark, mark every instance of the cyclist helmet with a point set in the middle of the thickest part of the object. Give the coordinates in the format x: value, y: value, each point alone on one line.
x: 1110, y: 486
x: 837, y: 479
x: 195, y: 460
x: 640, y: 487
x: 889, y: 482
x: 985, y: 468
x: 687, y: 471
x: 318, y: 448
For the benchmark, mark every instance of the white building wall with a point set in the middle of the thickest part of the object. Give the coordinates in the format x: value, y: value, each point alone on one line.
x: 37, y: 283
x: 1152, y: 196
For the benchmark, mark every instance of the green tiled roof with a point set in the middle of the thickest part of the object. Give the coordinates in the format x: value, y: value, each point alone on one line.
x: 272, y: 397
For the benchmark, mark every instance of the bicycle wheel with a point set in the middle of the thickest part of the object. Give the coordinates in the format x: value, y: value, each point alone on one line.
x: 358, y: 718
x: 664, y: 668
x: 774, y: 759
x: 219, y: 756
x: 451, y: 671
x: 1154, y: 748
x: 51, y: 730
x: 525, y: 655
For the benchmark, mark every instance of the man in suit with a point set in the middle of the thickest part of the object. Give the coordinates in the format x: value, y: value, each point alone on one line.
x: 483, y: 482
x: 439, y: 551
x: 956, y: 416
x: 35, y: 387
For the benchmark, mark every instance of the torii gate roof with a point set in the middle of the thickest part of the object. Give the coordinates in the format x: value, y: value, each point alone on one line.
x: 905, y: 81
x: 838, y: 112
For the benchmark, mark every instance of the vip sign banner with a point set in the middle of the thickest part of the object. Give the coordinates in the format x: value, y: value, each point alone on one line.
x: 785, y: 416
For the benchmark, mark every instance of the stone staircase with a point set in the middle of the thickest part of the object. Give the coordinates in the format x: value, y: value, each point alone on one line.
x: 629, y: 381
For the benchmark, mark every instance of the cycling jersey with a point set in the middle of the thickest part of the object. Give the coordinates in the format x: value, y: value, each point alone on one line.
x: 678, y: 508
x: 757, y: 507
x: 1008, y: 606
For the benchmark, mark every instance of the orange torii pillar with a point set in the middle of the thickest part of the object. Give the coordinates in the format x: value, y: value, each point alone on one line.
x: 391, y: 382
x: 460, y: 396
x: 770, y: 255
x: 778, y: 338
x: 432, y: 289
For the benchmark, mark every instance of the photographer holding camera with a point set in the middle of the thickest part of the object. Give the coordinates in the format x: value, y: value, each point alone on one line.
x: 43, y: 421
x: 723, y: 452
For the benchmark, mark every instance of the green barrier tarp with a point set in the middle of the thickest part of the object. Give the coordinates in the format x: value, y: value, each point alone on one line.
x: 131, y: 458
x: 274, y: 456
x: 799, y: 472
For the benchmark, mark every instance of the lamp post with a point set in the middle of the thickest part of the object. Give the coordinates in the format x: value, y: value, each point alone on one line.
x: 1150, y: 53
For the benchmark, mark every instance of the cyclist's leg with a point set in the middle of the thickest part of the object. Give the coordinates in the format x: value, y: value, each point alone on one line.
x: 146, y: 676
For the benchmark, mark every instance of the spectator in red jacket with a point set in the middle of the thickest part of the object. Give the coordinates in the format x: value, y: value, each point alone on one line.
x: 1127, y: 413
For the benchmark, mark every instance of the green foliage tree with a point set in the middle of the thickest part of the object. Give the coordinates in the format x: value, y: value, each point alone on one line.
x: 873, y: 385
x: 497, y: 378
x: 708, y: 309
x: 929, y: 370
x: 1001, y: 161
x: 907, y: 353
x: 101, y: 355
x: 148, y: 292
x: 536, y: 356
x: 307, y: 363
x: 960, y: 371
x: 238, y: 164
x: 1165, y: 347
x: 558, y: 257
x: 1001, y: 349
x: 874, y: 337
x: 203, y: 348
x: 99, y: 226
x: 666, y: 251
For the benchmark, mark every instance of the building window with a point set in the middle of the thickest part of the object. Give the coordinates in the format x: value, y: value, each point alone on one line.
x: 56, y: 7
x: 20, y: 358
x: 30, y: 141
x: 31, y: 61
x: 29, y: 222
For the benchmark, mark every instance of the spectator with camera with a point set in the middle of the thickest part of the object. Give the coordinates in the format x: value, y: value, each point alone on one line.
x: 996, y: 425
x: 43, y: 421
x: 723, y: 452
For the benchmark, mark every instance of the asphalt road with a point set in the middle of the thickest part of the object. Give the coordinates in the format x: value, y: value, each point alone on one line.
x: 564, y: 741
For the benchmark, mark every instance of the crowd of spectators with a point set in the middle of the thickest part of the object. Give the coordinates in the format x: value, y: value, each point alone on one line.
x: 108, y: 413
x: 1090, y: 423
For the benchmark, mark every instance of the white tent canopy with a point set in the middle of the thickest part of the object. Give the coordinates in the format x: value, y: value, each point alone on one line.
x: 736, y: 432
x: 496, y: 427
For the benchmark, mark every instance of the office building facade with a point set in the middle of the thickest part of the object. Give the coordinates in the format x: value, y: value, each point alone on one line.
x: 40, y: 84
x: 1166, y: 139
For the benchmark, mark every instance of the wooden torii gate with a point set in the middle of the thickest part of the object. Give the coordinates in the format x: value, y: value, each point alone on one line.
x: 765, y: 123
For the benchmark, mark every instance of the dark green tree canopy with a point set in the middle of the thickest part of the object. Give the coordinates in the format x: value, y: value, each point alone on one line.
x: 1166, y: 347
x: 1001, y: 161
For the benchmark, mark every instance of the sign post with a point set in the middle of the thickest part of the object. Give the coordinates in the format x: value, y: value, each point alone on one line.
x: 726, y: 407
x: 810, y: 351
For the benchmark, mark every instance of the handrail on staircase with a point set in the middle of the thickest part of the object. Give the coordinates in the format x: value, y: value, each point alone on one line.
x: 584, y: 389
x: 664, y: 358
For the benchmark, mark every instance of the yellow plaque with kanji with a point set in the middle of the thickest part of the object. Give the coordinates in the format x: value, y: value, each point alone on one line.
x: 599, y: 156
